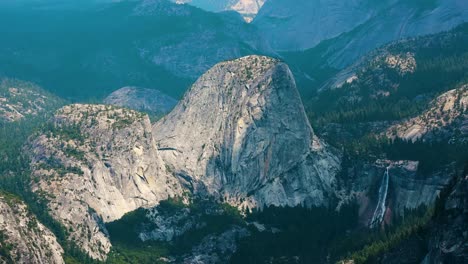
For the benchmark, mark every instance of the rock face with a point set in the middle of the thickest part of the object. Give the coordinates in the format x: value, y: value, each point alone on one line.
x: 23, y: 239
x: 446, y: 118
x: 410, y: 190
x: 449, y: 237
x: 356, y: 25
x: 19, y: 99
x: 94, y: 164
x: 312, y: 21
x: 241, y: 133
x: 168, y: 226
x: 146, y: 100
x: 406, y: 190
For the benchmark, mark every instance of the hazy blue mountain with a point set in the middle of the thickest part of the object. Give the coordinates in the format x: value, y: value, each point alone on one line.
x: 89, y: 52
x: 385, y: 22
x: 368, y: 164
x: 302, y: 24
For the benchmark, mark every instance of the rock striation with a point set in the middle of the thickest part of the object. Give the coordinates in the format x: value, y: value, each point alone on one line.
x: 94, y: 163
x: 23, y: 239
x: 242, y: 135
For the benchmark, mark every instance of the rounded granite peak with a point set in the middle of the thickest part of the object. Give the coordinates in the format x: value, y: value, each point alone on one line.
x: 245, y: 76
x: 241, y: 134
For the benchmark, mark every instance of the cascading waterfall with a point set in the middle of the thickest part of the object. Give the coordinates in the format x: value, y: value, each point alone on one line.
x: 379, y: 212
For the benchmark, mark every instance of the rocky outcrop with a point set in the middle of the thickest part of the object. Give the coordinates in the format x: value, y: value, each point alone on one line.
x: 19, y: 99
x: 216, y: 248
x: 378, y: 63
x: 168, y: 226
x: 150, y: 101
x: 241, y: 134
x: 95, y: 163
x: 446, y: 118
x: 23, y: 239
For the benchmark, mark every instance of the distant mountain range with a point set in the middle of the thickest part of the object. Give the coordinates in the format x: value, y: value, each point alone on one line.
x: 350, y: 136
x: 97, y: 46
x: 89, y: 52
x: 303, y: 24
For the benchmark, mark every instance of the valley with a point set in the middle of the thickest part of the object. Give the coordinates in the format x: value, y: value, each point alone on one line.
x: 162, y: 132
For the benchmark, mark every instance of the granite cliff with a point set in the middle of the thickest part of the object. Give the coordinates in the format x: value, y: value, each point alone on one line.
x: 95, y: 163
x: 241, y: 134
x: 23, y: 239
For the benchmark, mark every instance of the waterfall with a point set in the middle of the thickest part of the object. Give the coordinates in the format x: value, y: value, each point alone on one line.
x: 379, y: 212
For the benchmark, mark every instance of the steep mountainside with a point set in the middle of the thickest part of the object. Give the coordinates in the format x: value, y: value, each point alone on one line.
x: 449, y: 237
x: 394, y: 82
x: 95, y: 163
x: 395, y: 20
x: 19, y: 99
x: 242, y: 134
x: 94, y: 50
x: 377, y: 108
x: 150, y: 101
x: 23, y: 239
x: 363, y: 21
x: 304, y: 24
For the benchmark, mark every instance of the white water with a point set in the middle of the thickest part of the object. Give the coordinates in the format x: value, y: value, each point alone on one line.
x: 379, y: 212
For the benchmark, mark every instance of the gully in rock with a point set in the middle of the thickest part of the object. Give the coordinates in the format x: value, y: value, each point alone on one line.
x: 379, y: 212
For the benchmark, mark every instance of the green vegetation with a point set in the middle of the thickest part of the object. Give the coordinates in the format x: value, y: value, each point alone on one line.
x: 369, y: 148
x: 5, y: 248
x: 415, y: 223
x: 307, y: 233
x: 128, y: 247
x: 65, y: 132
x: 308, y: 236
x: 441, y: 65
x: 102, y: 49
x: 28, y: 98
x: 15, y: 179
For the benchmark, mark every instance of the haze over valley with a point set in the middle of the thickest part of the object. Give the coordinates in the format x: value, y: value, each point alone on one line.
x: 234, y: 131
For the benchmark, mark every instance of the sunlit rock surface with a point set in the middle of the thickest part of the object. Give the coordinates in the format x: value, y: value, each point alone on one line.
x: 94, y: 164
x: 241, y: 134
x: 29, y: 240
